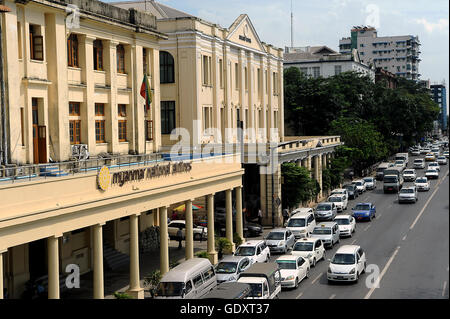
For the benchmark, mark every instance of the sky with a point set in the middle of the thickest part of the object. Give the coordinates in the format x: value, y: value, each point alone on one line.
x: 325, y: 22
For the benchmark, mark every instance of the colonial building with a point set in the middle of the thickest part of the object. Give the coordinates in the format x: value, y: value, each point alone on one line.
x: 74, y: 71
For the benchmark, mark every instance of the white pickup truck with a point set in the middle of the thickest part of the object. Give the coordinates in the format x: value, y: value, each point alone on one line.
x: 264, y: 280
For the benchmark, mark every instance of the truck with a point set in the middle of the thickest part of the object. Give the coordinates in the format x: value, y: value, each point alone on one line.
x: 381, y: 168
x: 393, y: 180
x: 402, y: 156
x: 264, y: 280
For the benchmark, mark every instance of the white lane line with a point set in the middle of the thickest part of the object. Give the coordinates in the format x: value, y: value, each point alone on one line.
x: 353, y: 242
x: 443, y: 289
x: 367, y: 227
x: 317, y: 278
x: 377, y: 283
x: 332, y: 296
x: 299, y: 295
x: 404, y: 237
x: 423, y: 209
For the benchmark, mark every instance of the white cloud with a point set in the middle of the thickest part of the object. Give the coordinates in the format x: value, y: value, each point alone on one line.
x: 442, y: 25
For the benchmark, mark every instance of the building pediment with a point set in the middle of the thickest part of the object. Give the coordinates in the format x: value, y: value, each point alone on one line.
x: 243, y: 33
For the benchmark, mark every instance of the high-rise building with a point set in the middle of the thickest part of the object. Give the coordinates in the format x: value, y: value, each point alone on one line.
x: 439, y: 95
x: 396, y: 54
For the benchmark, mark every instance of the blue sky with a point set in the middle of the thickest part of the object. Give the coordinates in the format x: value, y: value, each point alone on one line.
x: 324, y: 22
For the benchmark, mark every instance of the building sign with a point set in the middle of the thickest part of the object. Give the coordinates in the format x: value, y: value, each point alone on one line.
x: 134, y: 175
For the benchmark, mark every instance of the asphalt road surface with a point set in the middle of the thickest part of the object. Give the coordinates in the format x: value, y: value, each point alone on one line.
x: 409, y: 243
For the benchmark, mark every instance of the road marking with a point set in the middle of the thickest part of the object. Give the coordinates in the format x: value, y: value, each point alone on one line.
x: 404, y: 237
x: 317, y: 278
x: 367, y: 227
x: 443, y: 289
x: 377, y: 283
x: 353, y: 242
x: 423, y: 209
x: 332, y: 296
x: 299, y: 295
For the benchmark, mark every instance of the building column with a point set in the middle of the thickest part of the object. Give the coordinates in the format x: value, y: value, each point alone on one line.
x: 53, y: 267
x: 211, y: 244
x: 189, y: 231
x: 229, y: 217
x: 164, y: 241
x: 239, y: 217
x: 135, y: 288
x: 97, y: 232
x: 1, y: 274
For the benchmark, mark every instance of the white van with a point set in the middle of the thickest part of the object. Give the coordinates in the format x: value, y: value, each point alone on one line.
x: 302, y: 222
x: 191, y: 279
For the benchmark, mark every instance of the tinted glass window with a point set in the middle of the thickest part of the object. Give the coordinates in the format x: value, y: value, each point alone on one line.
x: 198, y: 281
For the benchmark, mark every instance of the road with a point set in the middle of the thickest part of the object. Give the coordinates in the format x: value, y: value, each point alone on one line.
x: 409, y: 243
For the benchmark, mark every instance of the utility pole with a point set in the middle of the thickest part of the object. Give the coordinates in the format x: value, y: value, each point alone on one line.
x: 292, y: 26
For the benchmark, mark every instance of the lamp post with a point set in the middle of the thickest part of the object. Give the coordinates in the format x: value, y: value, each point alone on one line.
x: 4, y: 143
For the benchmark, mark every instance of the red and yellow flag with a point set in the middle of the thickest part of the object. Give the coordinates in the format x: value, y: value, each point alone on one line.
x: 146, y: 92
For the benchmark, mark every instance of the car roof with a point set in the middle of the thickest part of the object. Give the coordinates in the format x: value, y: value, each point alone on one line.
x: 250, y: 243
x: 343, y: 217
x: 325, y: 203
x: 233, y: 258
x: 409, y: 187
x: 347, y: 249
x: 307, y: 239
x: 301, y: 211
x: 339, y: 190
x: 278, y: 230
x: 336, y: 195
x: 325, y: 224
x: 288, y: 257
x: 178, y: 221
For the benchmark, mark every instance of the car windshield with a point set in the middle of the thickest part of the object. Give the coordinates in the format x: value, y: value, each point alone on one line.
x: 433, y: 164
x: 303, y: 246
x: 349, y: 188
x: 407, y: 191
x: 343, y: 259
x: 408, y: 172
x: 256, y: 290
x: 275, y: 236
x: 226, y: 268
x: 323, y: 207
x: 399, y: 162
x: 431, y: 171
x: 362, y: 207
x: 421, y: 180
x: 287, y: 264
x: 335, y: 199
x: 358, y: 183
x: 245, y: 251
x: 368, y: 180
x: 342, y: 221
x: 322, y: 231
x: 296, y: 222
x: 170, y: 289
x: 390, y: 179
x: 418, y: 162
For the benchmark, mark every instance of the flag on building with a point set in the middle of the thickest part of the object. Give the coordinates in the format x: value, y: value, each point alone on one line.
x: 146, y: 93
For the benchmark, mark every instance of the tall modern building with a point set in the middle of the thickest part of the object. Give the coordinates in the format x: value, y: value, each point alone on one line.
x: 439, y: 95
x: 396, y: 54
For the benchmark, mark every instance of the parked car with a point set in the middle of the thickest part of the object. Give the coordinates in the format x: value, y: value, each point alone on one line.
x: 339, y: 191
x: 229, y: 268
x: 311, y: 248
x: 419, y: 163
x: 422, y: 184
x: 371, y: 183
x: 256, y: 250
x: 346, y: 224
x: 364, y: 211
x: 302, y: 222
x: 328, y: 232
x: 175, y: 225
x: 280, y: 240
x: 352, y: 191
x: 409, y: 175
x: 340, y: 201
x: 325, y: 211
x: 293, y: 270
x: 408, y: 195
x: 348, y: 264
x: 360, y: 185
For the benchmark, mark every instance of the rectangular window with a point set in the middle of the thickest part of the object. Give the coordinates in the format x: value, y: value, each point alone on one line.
x: 258, y: 82
x: 337, y: 69
x: 122, y: 110
x: 144, y: 61
x: 246, y: 118
x: 275, y: 83
x: 316, y: 71
x: 74, y: 108
x: 167, y: 116
x: 100, y: 131
x: 246, y: 78
x: 207, y: 117
x: 36, y: 43
x: 221, y: 73
x: 72, y: 51
x: 120, y: 51
x: 75, y: 132
x: 22, y: 125
x: 267, y: 81
x: 98, y: 55
x: 149, y: 130
x: 122, y: 130
x: 99, y: 109
x: 19, y: 39
x: 236, y: 75
x: 205, y: 70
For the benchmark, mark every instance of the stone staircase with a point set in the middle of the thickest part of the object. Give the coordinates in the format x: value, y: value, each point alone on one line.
x: 51, y: 171
x: 113, y: 259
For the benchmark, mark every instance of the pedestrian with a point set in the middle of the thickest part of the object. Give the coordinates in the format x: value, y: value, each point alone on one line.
x: 285, y: 216
x: 260, y: 216
x: 179, y: 237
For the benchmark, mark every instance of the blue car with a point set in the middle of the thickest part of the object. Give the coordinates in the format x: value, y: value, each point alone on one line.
x: 365, y: 211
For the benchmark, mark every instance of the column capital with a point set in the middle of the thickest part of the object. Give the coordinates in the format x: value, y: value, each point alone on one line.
x: 3, y: 250
x: 89, y: 38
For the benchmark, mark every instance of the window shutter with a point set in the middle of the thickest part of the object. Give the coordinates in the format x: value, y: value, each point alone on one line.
x: 38, y: 47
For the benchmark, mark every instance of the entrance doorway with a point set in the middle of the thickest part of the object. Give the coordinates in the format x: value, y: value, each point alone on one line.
x: 37, y: 252
x: 39, y: 133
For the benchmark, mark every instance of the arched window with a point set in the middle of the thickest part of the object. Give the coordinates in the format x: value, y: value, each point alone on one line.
x: 98, y: 55
x: 166, y: 67
x: 72, y: 50
x: 120, y: 59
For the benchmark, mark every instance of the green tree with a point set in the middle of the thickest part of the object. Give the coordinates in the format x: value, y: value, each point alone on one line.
x: 297, y: 185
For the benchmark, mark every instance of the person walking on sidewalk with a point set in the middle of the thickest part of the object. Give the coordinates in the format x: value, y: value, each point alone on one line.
x: 285, y: 216
x: 179, y: 237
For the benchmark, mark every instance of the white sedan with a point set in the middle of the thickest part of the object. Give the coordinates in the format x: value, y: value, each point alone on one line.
x: 347, y: 225
x: 310, y: 248
x: 409, y: 175
x: 293, y: 270
x: 422, y: 184
x: 434, y: 165
x: 442, y: 160
x: 432, y: 173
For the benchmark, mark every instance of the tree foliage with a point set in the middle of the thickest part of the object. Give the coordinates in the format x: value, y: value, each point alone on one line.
x: 297, y: 186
